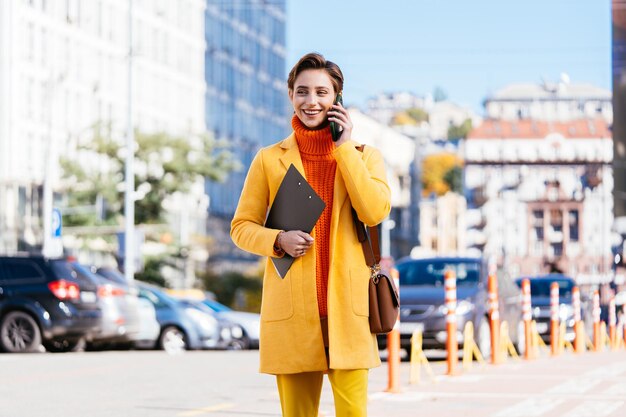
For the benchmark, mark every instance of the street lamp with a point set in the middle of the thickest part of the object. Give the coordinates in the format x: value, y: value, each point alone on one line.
x: 48, y: 248
x: 129, y: 200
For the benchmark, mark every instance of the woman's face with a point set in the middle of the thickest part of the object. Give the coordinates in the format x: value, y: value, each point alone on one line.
x: 312, y: 96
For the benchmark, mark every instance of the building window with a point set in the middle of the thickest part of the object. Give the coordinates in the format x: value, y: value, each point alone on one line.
x: 539, y: 233
x: 557, y: 248
x: 573, y: 225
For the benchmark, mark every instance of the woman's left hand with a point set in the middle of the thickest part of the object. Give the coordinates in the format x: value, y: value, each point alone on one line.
x: 340, y: 115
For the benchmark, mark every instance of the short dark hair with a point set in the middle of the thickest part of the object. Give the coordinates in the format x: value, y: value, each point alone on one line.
x: 314, y: 60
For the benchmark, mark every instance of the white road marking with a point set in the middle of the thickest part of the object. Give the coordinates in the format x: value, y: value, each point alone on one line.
x: 574, y: 386
x: 616, y: 389
x: 594, y: 409
x: 608, y: 371
x: 529, y: 408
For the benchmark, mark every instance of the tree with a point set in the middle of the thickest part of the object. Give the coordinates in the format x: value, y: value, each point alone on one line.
x: 435, y: 168
x: 439, y: 94
x: 454, y: 178
x: 227, y: 285
x: 460, y: 131
x: 164, y: 165
x: 417, y: 114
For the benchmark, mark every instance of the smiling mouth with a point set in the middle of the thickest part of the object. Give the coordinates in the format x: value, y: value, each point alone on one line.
x: 311, y: 112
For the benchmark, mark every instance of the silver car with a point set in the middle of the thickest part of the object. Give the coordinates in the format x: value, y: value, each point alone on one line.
x: 149, y: 328
x: 119, y: 306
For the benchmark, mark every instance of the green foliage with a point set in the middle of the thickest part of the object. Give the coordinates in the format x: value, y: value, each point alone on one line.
x: 164, y: 164
x: 454, y: 178
x: 435, y: 169
x: 460, y: 132
x: 417, y: 114
x: 152, y: 272
x: 228, y: 284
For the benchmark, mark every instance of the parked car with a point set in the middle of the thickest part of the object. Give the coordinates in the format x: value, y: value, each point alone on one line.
x: 43, y: 301
x: 249, y: 322
x: 120, y: 313
x: 149, y: 329
x: 540, y: 301
x: 231, y: 334
x: 422, y: 305
x: 181, y: 327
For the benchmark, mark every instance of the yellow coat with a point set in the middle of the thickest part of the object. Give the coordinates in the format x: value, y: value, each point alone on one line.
x: 291, y: 338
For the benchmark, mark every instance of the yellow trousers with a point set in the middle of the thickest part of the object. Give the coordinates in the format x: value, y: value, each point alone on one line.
x: 300, y: 393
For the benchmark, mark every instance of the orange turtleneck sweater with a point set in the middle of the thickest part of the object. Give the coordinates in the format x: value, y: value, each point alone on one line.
x: 316, y: 150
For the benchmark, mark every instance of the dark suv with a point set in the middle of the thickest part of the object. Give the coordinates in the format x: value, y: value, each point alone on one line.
x: 422, y: 305
x: 43, y: 301
x: 540, y: 301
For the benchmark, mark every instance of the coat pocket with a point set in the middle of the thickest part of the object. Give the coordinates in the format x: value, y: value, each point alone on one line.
x: 359, y: 285
x: 277, y: 302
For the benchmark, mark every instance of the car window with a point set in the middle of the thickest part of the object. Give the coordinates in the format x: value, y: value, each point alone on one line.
x: 152, y: 297
x: 62, y: 269
x: 215, y: 306
x: 541, y: 288
x: 431, y: 273
x: 22, y: 271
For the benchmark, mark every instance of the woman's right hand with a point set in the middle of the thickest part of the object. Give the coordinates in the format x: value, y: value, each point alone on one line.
x: 295, y: 243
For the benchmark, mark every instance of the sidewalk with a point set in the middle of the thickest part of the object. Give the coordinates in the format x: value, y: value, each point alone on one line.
x: 589, y: 384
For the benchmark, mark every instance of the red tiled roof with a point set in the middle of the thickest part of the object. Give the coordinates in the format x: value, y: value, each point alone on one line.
x: 531, y: 129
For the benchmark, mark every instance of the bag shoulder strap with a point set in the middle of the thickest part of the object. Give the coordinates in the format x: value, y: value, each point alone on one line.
x: 368, y: 236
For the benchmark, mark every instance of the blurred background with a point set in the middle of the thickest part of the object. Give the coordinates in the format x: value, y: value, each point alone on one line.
x: 502, y: 125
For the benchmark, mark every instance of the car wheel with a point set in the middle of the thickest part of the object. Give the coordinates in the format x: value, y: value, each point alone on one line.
x: 237, y: 345
x: 64, y: 345
x: 173, y: 340
x: 483, y: 338
x: 19, y: 333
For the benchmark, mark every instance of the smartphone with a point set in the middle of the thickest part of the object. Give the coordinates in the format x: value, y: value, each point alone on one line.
x: 335, y: 129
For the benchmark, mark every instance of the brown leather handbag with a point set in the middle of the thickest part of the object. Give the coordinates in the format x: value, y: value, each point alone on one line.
x: 384, y: 302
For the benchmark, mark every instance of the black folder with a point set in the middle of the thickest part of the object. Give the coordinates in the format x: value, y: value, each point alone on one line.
x: 296, y: 207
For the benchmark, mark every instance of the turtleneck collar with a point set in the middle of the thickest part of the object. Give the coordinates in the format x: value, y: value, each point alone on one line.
x: 312, y: 142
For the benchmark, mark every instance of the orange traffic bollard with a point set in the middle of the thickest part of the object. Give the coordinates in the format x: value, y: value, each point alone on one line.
x: 527, y: 317
x: 494, y: 318
x: 579, y: 340
x: 393, y: 347
x: 596, y: 321
x: 612, y: 324
x: 554, y: 318
x: 449, y: 285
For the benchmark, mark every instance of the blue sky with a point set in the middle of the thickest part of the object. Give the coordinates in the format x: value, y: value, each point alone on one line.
x: 469, y: 48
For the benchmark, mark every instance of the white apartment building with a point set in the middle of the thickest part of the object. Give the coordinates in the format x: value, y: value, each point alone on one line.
x: 385, y: 106
x: 539, y: 195
x: 398, y: 151
x: 442, y: 226
x: 64, y: 69
x: 441, y: 115
x: 558, y: 101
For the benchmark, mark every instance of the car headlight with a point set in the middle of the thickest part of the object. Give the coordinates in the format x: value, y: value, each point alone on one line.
x: 565, y: 312
x: 237, y: 332
x: 206, y: 323
x: 462, y: 307
x: 225, y: 333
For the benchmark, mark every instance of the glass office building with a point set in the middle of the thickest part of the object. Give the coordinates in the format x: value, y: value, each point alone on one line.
x: 246, y: 99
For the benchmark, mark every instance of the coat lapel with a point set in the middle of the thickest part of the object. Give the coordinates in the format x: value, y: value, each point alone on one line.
x: 292, y: 154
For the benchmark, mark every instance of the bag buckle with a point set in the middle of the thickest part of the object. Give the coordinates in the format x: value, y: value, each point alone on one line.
x: 374, y: 271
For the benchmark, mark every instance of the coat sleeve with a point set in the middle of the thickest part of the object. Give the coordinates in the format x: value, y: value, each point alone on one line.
x: 247, y: 230
x: 366, y: 182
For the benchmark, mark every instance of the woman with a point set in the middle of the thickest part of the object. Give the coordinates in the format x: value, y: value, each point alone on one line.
x: 315, y: 319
